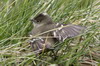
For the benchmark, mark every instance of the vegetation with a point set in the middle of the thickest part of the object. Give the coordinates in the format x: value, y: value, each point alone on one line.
x: 78, y: 51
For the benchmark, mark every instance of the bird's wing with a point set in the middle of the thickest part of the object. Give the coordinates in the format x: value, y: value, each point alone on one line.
x: 63, y: 31
x: 39, y: 44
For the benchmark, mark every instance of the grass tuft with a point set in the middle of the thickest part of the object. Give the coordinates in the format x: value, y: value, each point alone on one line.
x: 15, y: 26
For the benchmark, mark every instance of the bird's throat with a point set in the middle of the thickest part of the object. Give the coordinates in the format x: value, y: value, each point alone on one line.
x: 38, y: 25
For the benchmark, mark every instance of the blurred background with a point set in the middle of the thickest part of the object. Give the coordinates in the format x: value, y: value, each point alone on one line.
x: 15, y: 26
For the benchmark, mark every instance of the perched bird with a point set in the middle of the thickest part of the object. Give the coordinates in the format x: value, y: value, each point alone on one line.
x: 46, y: 33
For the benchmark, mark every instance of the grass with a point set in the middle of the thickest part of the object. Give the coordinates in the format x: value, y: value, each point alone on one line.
x: 15, y: 25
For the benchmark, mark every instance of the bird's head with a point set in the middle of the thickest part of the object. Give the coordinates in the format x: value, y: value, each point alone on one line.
x: 40, y: 19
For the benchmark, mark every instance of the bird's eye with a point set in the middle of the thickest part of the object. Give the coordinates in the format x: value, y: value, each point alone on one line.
x: 38, y: 21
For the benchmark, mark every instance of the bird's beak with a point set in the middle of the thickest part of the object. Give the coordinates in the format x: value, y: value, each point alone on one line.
x: 32, y: 20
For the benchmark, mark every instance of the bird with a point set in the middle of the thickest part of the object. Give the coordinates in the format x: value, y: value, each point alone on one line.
x: 46, y: 32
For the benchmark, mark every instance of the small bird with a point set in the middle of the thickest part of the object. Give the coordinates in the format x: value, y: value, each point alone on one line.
x: 46, y: 33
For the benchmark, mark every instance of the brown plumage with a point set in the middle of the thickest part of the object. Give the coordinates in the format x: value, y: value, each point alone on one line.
x: 46, y: 33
